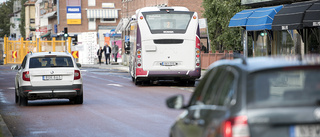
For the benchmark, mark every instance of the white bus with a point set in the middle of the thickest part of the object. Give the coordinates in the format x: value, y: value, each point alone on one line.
x: 164, y: 45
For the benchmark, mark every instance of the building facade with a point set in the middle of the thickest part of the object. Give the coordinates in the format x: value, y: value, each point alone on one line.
x: 129, y: 7
x: 30, y: 19
x: 16, y: 20
x: 77, y: 16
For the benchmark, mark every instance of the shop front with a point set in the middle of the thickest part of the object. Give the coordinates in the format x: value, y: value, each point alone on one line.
x: 291, y: 29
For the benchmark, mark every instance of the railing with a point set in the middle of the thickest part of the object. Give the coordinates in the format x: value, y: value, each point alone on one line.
x: 209, y: 58
x: 16, y: 50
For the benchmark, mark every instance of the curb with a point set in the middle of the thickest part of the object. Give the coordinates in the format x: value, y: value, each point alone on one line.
x: 4, y: 131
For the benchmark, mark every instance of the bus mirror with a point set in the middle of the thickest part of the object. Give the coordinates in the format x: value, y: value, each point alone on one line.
x: 127, y: 47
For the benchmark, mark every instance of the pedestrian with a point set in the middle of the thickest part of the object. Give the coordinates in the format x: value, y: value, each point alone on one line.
x: 99, y: 53
x: 107, y: 51
x: 203, y: 48
x: 115, y: 50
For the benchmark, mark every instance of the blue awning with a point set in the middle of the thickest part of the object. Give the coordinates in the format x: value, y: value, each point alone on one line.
x: 240, y: 19
x: 258, y: 19
x: 262, y: 18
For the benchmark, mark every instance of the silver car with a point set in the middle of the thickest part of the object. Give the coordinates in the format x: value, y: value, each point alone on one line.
x: 48, y: 75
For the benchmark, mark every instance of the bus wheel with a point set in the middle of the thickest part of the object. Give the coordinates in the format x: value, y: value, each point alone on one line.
x: 137, y: 82
x: 191, y: 82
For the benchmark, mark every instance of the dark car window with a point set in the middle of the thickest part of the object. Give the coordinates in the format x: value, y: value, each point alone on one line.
x: 282, y: 87
x: 200, y: 87
x: 210, y: 95
x: 227, y: 89
x: 43, y: 62
x: 23, y: 64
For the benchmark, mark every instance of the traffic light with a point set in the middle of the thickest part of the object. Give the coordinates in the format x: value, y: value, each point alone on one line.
x: 65, y: 32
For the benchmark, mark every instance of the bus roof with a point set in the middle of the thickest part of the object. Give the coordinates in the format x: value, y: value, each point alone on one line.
x: 176, y: 8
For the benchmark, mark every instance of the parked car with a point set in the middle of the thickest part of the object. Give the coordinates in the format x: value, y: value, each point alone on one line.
x: 47, y: 75
x: 254, y: 97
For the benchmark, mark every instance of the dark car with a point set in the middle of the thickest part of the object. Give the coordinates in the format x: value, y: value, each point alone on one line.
x: 254, y: 97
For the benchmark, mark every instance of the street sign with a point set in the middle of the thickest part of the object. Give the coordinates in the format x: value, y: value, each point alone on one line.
x: 14, y: 54
x: 75, y: 54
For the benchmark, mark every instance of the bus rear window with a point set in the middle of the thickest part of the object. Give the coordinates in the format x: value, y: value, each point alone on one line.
x: 163, y: 22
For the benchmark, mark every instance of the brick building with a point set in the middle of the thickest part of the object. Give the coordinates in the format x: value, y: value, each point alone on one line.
x: 78, y: 16
x: 129, y: 7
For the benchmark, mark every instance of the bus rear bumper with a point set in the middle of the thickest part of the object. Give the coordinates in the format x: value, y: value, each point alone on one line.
x: 172, y: 75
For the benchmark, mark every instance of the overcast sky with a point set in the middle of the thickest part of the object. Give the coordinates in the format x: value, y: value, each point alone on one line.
x: 2, y: 1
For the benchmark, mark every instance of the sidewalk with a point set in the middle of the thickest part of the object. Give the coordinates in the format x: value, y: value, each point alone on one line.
x: 4, y: 131
x: 118, y: 66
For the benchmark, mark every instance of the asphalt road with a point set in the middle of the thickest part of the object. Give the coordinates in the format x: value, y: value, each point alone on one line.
x: 113, y: 106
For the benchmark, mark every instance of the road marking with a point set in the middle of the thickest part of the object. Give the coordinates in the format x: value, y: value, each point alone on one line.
x: 116, y: 85
x: 10, y: 88
x: 3, y: 98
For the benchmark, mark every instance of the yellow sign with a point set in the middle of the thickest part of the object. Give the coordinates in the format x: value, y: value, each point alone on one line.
x: 14, y: 54
x: 75, y: 54
x: 73, y: 21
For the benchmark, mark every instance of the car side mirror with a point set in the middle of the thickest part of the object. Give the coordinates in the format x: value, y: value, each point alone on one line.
x: 175, y: 102
x: 78, y: 65
x: 14, y: 67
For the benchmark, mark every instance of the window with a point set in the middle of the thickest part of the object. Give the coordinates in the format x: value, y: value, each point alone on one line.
x: 227, y: 90
x: 207, y: 87
x: 42, y: 62
x: 23, y: 64
x: 91, y: 2
x: 284, y: 87
x: 32, y: 20
x: 92, y: 24
x: 210, y: 94
x: 108, y: 20
x: 177, y: 22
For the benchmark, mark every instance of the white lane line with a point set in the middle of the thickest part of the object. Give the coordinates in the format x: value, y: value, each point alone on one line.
x: 3, y: 99
x: 10, y: 88
x: 116, y: 85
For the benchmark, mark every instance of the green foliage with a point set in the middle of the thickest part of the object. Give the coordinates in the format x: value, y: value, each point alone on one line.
x: 22, y: 19
x: 218, y: 14
x: 6, y: 9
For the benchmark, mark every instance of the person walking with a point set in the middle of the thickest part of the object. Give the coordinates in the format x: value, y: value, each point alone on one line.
x: 107, y: 51
x: 99, y: 53
x: 115, y: 51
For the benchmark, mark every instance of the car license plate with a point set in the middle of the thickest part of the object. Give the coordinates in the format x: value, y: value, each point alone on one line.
x: 52, y: 77
x: 305, y: 131
x: 168, y: 63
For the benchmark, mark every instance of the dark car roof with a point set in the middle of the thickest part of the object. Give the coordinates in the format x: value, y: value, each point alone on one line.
x: 254, y: 64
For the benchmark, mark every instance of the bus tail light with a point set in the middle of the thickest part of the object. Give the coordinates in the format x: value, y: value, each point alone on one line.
x: 236, y: 127
x: 77, y: 74
x: 139, y: 57
x: 197, y: 51
x: 26, y: 76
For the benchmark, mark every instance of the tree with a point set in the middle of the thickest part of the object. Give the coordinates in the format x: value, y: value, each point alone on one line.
x: 6, y: 9
x: 22, y: 19
x: 218, y: 14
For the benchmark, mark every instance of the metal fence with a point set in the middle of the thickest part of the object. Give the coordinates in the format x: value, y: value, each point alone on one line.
x: 16, y: 50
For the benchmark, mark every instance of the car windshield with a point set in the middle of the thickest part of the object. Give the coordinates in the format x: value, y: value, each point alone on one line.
x: 45, y: 62
x: 284, y: 87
